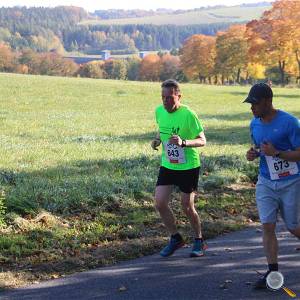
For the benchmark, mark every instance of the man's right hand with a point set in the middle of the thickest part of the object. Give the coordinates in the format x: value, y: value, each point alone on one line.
x: 252, y: 154
x: 155, y: 143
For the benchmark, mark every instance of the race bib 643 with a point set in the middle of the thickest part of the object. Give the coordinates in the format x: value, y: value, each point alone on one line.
x: 174, y: 154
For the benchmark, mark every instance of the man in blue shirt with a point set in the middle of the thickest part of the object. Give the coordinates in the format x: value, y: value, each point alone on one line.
x: 276, y: 138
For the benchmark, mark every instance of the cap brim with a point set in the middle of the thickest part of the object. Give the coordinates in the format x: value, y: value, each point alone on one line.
x: 251, y: 100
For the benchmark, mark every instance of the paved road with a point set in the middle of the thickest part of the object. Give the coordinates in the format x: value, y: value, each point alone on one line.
x: 232, y: 257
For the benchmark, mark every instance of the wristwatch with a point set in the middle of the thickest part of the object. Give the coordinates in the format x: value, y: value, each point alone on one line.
x: 277, y: 153
x: 183, y: 143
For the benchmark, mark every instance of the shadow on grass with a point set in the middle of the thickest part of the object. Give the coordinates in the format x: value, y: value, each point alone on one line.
x: 107, y: 184
x: 219, y: 136
x: 238, y: 135
x: 242, y: 94
x: 148, y: 136
x: 289, y: 96
x: 76, y: 186
x: 145, y: 137
x: 245, y: 94
x: 246, y: 116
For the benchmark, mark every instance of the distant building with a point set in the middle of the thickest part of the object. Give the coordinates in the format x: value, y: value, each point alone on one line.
x: 142, y: 54
x: 105, y: 54
x: 83, y: 59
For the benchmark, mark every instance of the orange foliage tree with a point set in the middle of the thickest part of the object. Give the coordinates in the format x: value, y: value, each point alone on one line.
x: 170, y: 66
x: 274, y: 39
x: 231, y: 49
x: 289, y: 11
x: 198, y: 57
x: 150, y: 68
x: 7, y: 58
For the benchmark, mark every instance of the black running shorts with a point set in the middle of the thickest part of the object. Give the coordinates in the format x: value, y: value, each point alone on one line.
x: 186, y: 180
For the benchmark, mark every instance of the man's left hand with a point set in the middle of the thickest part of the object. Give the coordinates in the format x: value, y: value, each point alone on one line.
x: 176, y: 140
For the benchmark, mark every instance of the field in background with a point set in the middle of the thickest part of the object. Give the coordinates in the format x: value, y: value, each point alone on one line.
x: 77, y: 173
x: 208, y: 16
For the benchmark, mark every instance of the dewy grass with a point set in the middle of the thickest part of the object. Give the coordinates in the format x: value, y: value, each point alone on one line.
x: 79, y: 149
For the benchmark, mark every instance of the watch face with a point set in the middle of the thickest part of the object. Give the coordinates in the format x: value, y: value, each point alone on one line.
x: 275, y: 280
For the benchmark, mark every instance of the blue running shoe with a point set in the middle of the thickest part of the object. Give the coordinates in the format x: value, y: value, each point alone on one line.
x: 261, y: 283
x: 199, y: 248
x: 173, y: 245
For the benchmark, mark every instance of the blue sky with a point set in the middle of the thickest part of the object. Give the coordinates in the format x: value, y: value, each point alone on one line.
x: 91, y: 5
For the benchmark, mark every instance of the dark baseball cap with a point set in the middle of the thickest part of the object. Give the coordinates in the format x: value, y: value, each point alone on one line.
x: 257, y: 92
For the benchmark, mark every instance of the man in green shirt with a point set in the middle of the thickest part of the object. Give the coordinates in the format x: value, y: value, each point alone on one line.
x: 180, y: 133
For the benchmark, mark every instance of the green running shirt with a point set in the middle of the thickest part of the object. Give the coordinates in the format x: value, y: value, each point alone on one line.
x: 185, y: 123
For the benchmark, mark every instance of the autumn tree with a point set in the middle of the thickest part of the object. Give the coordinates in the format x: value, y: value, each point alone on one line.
x: 55, y: 65
x: 7, y: 58
x: 49, y: 63
x: 30, y: 59
x: 133, y: 68
x: 289, y: 12
x: 198, y: 57
x: 93, y: 69
x: 271, y: 37
x: 5, y: 35
x: 255, y: 71
x: 231, y: 52
x: 170, y: 66
x: 150, y: 68
x: 115, y: 69
x: 46, y: 43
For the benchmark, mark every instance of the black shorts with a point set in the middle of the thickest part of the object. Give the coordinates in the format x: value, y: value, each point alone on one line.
x: 186, y: 180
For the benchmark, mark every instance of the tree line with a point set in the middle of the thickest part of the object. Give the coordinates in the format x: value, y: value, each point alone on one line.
x: 268, y: 47
x: 47, y: 29
x: 138, y: 37
x: 152, y: 68
x: 40, y: 29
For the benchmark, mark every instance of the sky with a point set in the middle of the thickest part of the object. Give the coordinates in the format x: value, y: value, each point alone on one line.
x: 92, y: 5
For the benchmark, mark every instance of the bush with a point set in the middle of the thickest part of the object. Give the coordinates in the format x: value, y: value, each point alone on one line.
x: 2, y: 208
x: 219, y: 171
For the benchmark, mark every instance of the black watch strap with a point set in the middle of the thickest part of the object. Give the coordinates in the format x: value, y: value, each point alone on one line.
x: 183, y: 143
x: 277, y: 154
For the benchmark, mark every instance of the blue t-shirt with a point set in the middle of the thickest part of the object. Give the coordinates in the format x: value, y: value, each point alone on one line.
x: 283, y: 132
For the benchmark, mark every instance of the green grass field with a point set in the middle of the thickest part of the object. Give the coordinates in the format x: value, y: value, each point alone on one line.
x: 208, y: 16
x: 77, y: 172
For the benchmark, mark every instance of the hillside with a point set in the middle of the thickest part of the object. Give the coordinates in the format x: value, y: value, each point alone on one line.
x: 60, y: 29
x: 231, y: 14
